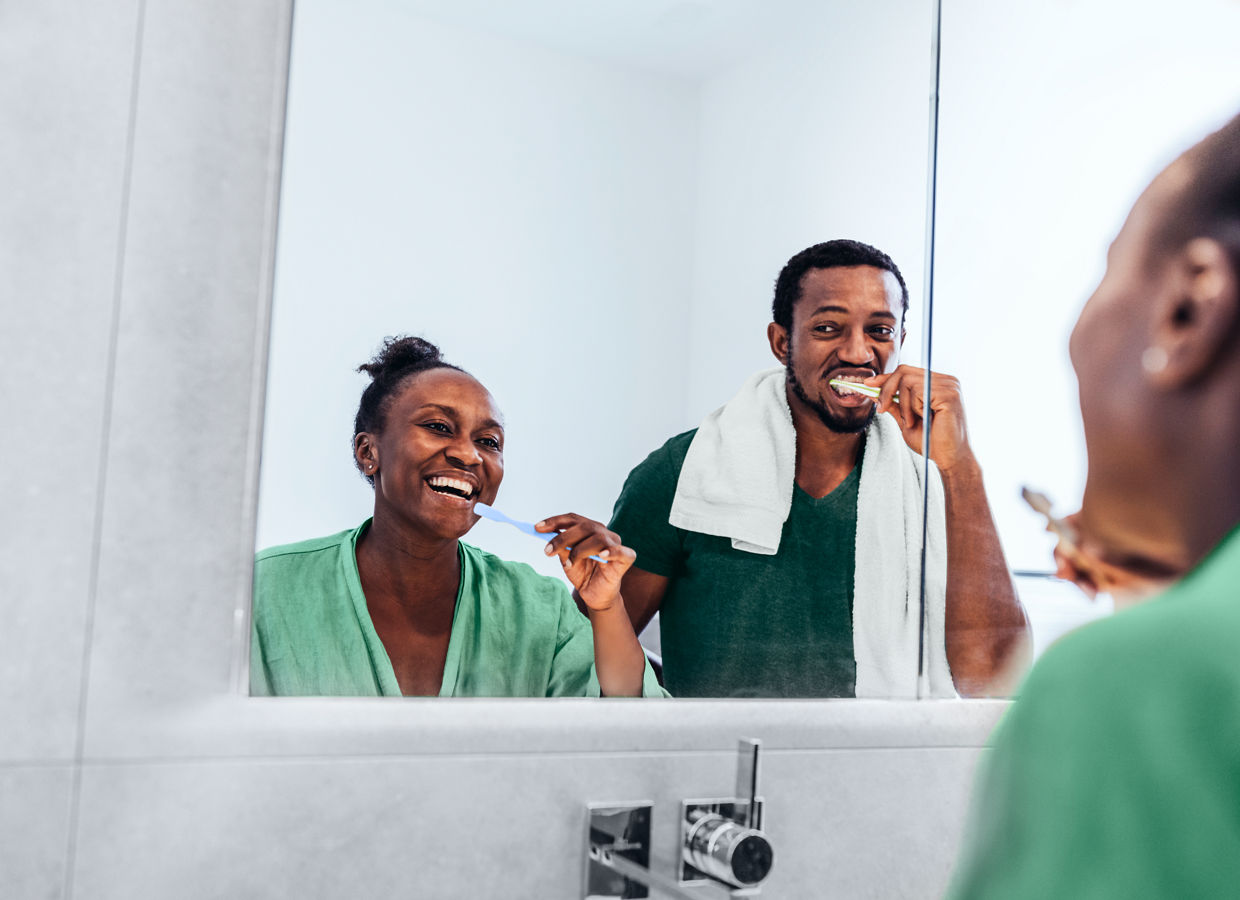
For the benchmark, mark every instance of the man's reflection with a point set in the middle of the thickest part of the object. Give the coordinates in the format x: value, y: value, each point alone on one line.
x: 780, y: 541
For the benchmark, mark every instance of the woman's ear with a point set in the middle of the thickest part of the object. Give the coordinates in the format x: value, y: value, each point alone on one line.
x: 366, y: 452
x: 1193, y: 324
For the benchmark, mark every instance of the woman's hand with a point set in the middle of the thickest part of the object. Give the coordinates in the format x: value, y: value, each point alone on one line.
x: 1081, y: 563
x: 579, y: 538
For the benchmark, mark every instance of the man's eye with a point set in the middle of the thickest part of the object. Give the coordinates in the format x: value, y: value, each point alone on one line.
x: 825, y: 329
x: 883, y: 330
x: 492, y: 443
x: 441, y: 427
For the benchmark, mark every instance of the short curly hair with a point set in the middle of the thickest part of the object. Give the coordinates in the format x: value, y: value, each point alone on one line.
x: 827, y: 255
x: 400, y: 357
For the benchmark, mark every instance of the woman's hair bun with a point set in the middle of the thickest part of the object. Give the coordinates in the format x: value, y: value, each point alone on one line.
x: 402, y: 353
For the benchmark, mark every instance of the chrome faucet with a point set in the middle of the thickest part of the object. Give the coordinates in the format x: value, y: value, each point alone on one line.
x: 722, y: 844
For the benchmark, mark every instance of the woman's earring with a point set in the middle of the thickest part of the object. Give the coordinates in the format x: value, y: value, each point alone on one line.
x: 1154, y: 360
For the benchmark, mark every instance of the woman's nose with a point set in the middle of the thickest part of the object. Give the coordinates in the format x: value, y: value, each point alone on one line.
x: 464, y: 451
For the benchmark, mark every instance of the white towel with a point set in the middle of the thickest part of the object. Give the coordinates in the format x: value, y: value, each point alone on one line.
x: 737, y: 482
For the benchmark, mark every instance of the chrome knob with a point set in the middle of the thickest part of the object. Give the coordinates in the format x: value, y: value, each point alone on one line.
x: 727, y: 851
x: 723, y: 840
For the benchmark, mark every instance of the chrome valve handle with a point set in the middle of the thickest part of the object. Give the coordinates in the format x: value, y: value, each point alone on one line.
x: 723, y: 840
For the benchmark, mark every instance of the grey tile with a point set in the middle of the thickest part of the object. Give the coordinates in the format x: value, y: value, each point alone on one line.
x: 177, y: 526
x: 65, y: 102
x: 844, y: 824
x: 881, y: 824
x: 34, y: 830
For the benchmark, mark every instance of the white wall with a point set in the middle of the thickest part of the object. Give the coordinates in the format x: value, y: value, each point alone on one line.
x: 1054, y: 117
x: 526, y: 209
x: 820, y: 136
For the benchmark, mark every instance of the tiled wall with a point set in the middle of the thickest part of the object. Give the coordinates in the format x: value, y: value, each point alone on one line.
x: 136, y: 241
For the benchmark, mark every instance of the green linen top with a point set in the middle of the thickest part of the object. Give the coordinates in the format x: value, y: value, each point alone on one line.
x: 1117, y: 771
x: 741, y: 624
x: 515, y: 633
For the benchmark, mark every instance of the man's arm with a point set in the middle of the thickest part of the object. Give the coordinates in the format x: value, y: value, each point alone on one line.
x: 643, y: 592
x: 988, y: 646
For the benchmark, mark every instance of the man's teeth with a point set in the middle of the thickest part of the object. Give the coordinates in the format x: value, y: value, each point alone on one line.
x: 455, y: 485
x: 846, y: 384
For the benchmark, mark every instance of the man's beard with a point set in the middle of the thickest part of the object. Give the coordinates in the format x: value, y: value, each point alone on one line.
x: 836, y: 423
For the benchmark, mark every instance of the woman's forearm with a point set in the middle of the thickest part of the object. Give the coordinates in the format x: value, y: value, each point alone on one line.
x: 618, y: 657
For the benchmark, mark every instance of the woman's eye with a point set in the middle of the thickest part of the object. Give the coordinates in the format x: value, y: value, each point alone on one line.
x: 441, y: 427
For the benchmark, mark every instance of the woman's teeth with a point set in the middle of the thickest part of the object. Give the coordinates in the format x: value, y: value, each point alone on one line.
x: 455, y: 486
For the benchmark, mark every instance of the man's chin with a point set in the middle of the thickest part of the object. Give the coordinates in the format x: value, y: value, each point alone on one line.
x: 847, y: 424
x: 845, y: 421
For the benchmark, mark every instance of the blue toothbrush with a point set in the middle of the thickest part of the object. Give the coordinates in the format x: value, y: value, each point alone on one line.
x: 490, y: 512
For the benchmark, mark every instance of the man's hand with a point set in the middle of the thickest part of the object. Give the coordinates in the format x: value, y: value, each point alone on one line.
x: 579, y: 538
x: 949, y: 439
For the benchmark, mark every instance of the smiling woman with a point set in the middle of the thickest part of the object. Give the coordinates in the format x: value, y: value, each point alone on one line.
x: 400, y: 606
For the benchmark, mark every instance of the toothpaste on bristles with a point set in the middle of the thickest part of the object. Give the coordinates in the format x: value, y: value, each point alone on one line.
x: 856, y: 387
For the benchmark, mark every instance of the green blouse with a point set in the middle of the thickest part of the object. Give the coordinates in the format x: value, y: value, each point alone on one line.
x: 515, y: 633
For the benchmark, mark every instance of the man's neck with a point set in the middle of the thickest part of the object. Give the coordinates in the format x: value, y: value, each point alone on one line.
x: 824, y: 457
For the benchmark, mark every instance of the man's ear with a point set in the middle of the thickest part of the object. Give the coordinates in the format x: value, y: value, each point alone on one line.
x: 778, y: 336
x: 1194, y: 322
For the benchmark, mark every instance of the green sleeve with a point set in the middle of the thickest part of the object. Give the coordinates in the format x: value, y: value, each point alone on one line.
x: 641, y: 511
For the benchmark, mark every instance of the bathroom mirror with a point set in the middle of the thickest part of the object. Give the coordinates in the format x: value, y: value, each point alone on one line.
x: 584, y: 205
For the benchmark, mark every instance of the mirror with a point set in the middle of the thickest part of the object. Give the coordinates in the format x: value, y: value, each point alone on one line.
x: 1081, y: 104
x: 585, y: 206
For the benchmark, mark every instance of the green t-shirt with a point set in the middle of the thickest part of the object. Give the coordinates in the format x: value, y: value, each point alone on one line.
x: 515, y: 633
x: 740, y: 624
x: 1116, y: 774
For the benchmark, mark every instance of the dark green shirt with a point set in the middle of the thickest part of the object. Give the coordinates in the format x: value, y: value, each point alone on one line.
x: 1116, y: 774
x: 740, y: 624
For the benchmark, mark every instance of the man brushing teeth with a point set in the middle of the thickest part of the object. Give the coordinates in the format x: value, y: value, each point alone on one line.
x: 772, y: 539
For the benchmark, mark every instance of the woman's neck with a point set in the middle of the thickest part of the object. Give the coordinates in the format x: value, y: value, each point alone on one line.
x: 402, y: 568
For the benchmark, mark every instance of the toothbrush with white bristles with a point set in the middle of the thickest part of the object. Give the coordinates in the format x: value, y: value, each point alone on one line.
x: 870, y: 390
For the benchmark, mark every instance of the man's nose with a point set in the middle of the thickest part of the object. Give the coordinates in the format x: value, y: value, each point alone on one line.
x: 855, y: 349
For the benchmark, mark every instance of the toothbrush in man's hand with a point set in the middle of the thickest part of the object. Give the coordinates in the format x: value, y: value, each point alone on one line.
x: 870, y: 390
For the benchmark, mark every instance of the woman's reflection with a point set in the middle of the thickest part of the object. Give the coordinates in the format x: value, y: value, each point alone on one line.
x: 780, y: 540
x: 399, y: 605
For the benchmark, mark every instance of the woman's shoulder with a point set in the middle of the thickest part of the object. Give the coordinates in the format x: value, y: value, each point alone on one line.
x: 290, y: 552
x: 293, y: 569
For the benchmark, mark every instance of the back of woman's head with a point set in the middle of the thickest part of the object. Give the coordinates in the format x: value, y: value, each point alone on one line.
x: 398, y: 359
